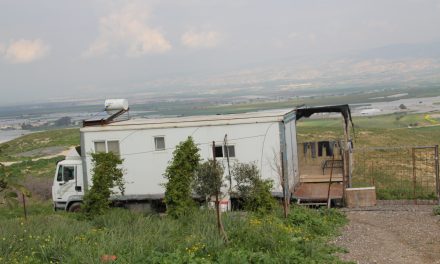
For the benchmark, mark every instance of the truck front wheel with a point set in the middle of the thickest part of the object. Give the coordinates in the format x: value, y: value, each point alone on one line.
x: 75, y: 207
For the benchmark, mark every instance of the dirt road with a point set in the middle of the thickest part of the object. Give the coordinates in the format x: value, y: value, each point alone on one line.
x: 57, y: 153
x: 392, y: 234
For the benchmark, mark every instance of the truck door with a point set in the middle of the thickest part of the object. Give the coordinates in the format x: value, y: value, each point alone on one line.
x: 66, y: 178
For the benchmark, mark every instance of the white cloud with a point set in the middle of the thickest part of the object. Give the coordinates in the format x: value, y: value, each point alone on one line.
x: 24, y: 51
x: 207, y: 39
x: 127, y: 29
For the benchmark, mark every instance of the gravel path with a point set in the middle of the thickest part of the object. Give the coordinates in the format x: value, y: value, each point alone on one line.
x: 392, y: 234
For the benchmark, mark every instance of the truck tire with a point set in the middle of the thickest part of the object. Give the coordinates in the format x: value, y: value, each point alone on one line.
x: 74, y: 207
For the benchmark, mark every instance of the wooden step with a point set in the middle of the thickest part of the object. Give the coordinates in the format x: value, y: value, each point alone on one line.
x: 320, y: 178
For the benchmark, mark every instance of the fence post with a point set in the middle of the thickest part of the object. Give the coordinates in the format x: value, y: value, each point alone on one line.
x: 24, y: 206
x: 414, y: 174
x: 437, y: 179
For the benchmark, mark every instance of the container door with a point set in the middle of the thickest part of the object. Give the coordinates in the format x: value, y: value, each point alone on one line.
x: 65, y: 183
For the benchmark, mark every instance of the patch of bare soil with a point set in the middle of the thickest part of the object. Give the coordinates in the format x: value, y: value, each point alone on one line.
x: 63, y: 152
x: 392, y: 234
x: 41, y: 188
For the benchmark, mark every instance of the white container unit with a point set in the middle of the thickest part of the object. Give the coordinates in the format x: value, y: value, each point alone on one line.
x: 147, y: 145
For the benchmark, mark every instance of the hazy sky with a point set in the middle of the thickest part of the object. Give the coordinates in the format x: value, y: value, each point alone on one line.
x: 61, y: 49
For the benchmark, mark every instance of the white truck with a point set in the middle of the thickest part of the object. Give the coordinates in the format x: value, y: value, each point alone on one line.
x: 146, y: 146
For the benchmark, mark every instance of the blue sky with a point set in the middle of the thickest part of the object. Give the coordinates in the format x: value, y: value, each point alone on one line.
x: 53, y: 49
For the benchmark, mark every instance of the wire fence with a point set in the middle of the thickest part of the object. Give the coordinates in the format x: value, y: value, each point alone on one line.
x: 398, y: 173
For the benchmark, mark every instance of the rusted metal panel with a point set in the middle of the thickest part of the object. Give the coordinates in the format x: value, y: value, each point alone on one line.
x: 360, y: 197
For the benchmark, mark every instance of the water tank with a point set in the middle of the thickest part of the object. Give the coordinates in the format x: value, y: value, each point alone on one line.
x: 116, y: 104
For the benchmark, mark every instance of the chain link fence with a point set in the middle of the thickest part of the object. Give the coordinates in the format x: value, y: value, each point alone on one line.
x: 398, y: 173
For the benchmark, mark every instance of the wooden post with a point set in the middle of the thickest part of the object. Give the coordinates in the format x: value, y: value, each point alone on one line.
x: 346, y: 160
x: 24, y: 206
x: 330, y: 182
x: 220, y: 227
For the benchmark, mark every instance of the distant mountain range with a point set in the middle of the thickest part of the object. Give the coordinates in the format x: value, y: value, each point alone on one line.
x: 395, y: 65
x: 390, y: 67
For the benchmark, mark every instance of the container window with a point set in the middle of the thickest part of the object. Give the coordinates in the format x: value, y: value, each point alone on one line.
x: 159, y: 143
x: 113, y: 146
x: 100, y: 146
x: 219, y: 151
x: 230, y: 151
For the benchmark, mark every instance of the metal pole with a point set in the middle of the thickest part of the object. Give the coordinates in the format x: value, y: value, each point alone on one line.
x: 226, y: 147
x: 330, y: 182
x: 344, y: 175
x: 217, y: 202
x: 220, y: 227
x: 285, y: 192
x: 414, y: 174
x: 347, y: 157
x: 437, y: 177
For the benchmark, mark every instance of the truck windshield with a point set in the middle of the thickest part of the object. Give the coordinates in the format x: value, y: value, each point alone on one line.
x: 66, y: 173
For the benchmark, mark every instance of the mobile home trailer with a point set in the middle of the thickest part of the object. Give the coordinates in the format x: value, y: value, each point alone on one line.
x: 147, y: 145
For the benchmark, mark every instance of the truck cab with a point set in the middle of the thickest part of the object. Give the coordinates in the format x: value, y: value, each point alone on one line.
x: 67, y: 187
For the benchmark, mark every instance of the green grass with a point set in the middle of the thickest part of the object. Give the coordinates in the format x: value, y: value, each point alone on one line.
x: 383, y: 130
x: 135, y: 238
x: 42, y: 168
x: 33, y: 209
x: 390, y: 187
x: 9, y: 151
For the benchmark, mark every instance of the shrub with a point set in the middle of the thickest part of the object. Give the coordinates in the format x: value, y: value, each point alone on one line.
x: 436, y: 210
x: 255, y: 192
x: 180, y: 175
x: 106, y: 175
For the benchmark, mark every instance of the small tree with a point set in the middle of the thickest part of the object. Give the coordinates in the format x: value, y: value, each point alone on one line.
x: 255, y: 192
x: 106, y: 176
x: 180, y: 175
x: 9, y: 187
x: 207, y: 183
x: 208, y: 179
x: 277, y: 166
